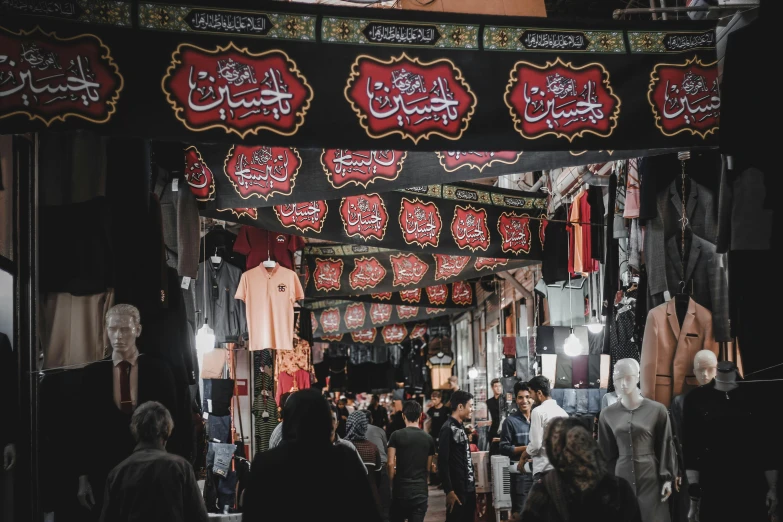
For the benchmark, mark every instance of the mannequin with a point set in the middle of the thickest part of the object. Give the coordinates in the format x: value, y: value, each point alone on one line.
x: 706, y: 413
x: 108, y: 401
x: 635, y: 435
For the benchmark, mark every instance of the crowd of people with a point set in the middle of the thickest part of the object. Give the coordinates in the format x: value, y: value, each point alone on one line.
x: 321, y: 450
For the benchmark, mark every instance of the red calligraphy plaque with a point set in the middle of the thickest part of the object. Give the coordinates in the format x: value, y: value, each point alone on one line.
x: 367, y: 273
x: 364, y: 216
x: 411, y: 296
x: 515, y: 232
x: 198, y: 175
x: 380, y: 313
x: 309, y: 215
x: 364, y: 336
x: 562, y: 100
x: 469, y: 228
x: 383, y: 296
x: 407, y: 312
x: 332, y: 338
x: 438, y: 294
x: 327, y: 274
x: 419, y: 331
x: 685, y: 97
x: 313, y: 321
x: 433, y: 311
x: 454, y: 160
x: 408, y: 269
x: 251, y: 213
x: 48, y: 78
x: 354, y: 316
x: 462, y: 293
x: 411, y: 98
x: 235, y: 90
x: 394, y: 333
x: 330, y: 320
x: 420, y: 222
x: 449, y: 266
x: 489, y: 262
x: 361, y: 167
x: 262, y: 171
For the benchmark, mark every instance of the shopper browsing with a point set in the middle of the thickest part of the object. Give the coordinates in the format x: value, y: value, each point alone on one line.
x: 513, y: 442
x: 455, y: 464
x: 410, y: 457
x: 545, y: 410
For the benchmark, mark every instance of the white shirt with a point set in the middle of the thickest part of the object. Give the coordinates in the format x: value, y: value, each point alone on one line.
x: 539, y: 419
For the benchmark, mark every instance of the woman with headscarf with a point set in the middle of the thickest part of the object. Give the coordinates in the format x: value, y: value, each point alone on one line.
x: 579, y: 488
x: 286, y: 479
x: 356, y: 434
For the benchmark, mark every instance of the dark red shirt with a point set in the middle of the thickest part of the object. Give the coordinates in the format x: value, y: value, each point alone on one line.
x: 255, y: 242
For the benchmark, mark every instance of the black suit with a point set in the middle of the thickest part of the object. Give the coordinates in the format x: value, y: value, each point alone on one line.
x: 105, y: 439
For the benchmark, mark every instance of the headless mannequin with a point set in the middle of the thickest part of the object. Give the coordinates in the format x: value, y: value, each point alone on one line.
x: 726, y: 381
x: 626, y: 382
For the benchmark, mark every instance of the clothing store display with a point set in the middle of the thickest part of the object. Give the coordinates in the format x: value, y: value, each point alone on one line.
x: 564, y: 372
x: 566, y: 301
x: 582, y: 401
x: 219, y: 428
x: 509, y: 366
x: 269, y: 297
x: 72, y: 328
x: 225, y: 314
x: 72, y: 167
x: 612, y: 263
x: 594, y: 401
x: 287, y: 383
x: 558, y: 395
x: 181, y: 227
x: 606, y: 371
x: 214, y: 363
x: 589, y: 264
x: 523, y: 368
x: 545, y: 340
x: 635, y: 244
x: 751, y: 222
x: 509, y: 345
x: 218, y: 395
x: 632, y: 196
x: 549, y: 368
x: 706, y: 413
x: 440, y: 371
x: 668, y: 350
x: 263, y: 403
x: 220, y: 242
x: 595, y: 341
x: 569, y: 401
x: 508, y: 384
x: 259, y: 245
x: 379, y: 354
x: 595, y: 198
x: 554, y: 264
x: 579, y: 375
x: 638, y: 447
x: 594, y: 371
x: 561, y: 334
x: 622, y: 341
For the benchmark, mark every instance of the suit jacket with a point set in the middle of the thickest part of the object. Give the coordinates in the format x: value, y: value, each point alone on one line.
x: 702, y: 220
x: 705, y: 280
x: 105, y: 439
x: 668, y: 350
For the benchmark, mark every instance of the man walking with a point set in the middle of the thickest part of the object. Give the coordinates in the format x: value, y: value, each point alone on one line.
x: 455, y: 464
x: 410, y: 458
x: 438, y: 414
x: 380, y: 417
x: 545, y: 410
x: 513, y: 442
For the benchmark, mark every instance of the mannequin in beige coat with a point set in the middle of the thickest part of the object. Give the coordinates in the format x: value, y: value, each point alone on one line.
x: 668, y: 349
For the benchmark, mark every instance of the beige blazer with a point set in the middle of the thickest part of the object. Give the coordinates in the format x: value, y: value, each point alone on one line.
x: 668, y: 350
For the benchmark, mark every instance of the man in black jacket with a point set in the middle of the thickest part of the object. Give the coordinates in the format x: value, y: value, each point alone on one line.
x: 455, y: 464
x: 111, y: 390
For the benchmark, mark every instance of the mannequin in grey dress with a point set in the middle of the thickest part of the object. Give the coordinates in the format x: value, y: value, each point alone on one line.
x: 636, y: 438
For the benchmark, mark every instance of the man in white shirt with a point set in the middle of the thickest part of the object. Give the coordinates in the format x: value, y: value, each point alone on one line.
x: 545, y: 410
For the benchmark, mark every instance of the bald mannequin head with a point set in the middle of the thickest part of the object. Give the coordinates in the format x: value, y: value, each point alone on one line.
x: 705, y: 366
x: 626, y: 376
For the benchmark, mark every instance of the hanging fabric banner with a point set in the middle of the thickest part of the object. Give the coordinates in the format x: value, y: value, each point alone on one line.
x: 467, y: 220
x: 262, y: 176
x: 285, y: 78
x: 362, y: 319
x: 431, y: 296
x: 389, y: 334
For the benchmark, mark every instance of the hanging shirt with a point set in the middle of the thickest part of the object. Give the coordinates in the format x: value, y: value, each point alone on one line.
x: 269, y: 297
x: 216, y: 303
x: 566, y: 302
x: 259, y: 245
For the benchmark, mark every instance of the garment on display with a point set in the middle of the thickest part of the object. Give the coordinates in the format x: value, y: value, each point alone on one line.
x: 179, y: 210
x: 214, y: 362
x: 566, y: 301
x: 220, y: 242
x: 260, y: 246
x: 215, y: 290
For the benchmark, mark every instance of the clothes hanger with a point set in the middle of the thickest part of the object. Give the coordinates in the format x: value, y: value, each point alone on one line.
x: 268, y: 263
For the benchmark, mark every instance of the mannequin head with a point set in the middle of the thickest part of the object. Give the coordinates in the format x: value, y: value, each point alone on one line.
x: 705, y: 366
x: 123, y: 327
x: 626, y: 377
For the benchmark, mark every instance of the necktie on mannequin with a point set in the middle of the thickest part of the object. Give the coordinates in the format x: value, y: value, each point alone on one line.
x: 126, y: 403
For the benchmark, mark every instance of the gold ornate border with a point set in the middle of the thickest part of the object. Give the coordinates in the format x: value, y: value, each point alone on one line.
x: 391, y: 310
x: 402, y: 230
x: 239, y: 214
x: 530, y: 233
x: 374, y: 335
x: 385, y: 338
x: 415, y: 327
x: 271, y: 194
x: 332, y: 338
x: 379, y: 295
x: 365, y: 258
x: 445, y: 299
x: 486, y: 227
x: 293, y: 69
x: 358, y: 183
x: 300, y: 229
x: 541, y: 230
x: 354, y: 306
x: 323, y: 327
x: 462, y: 301
x: 441, y: 160
x: 394, y: 272
x: 403, y: 318
x: 653, y: 78
x: 458, y: 77
x: 112, y: 104
x: 513, y: 79
x: 438, y: 265
x: 342, y: 218
x: 201, y: 159
x: 488, y: 266
x: 418, y: 297
x: 339, y: 278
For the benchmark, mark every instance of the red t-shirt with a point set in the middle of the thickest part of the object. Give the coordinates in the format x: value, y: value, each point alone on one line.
x: 253, y: 242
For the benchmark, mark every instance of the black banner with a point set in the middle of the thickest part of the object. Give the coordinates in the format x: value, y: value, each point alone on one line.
x: 233, y: 74
x: 460, y: 219
x: 362, y: 319
x: 238, y: 176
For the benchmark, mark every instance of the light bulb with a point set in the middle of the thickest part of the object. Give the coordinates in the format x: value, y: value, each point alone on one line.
x: 205, y: 339
x: 595, y: 327
x: 473, y: 372
x: 572, y: 346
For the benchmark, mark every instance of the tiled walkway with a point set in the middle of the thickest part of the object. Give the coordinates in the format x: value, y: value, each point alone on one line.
x: 436, y: 512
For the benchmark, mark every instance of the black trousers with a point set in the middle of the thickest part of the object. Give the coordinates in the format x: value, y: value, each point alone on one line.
x: 465, y: 512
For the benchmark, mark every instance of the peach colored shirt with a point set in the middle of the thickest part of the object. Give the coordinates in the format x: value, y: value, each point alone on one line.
x: 269, y: 297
